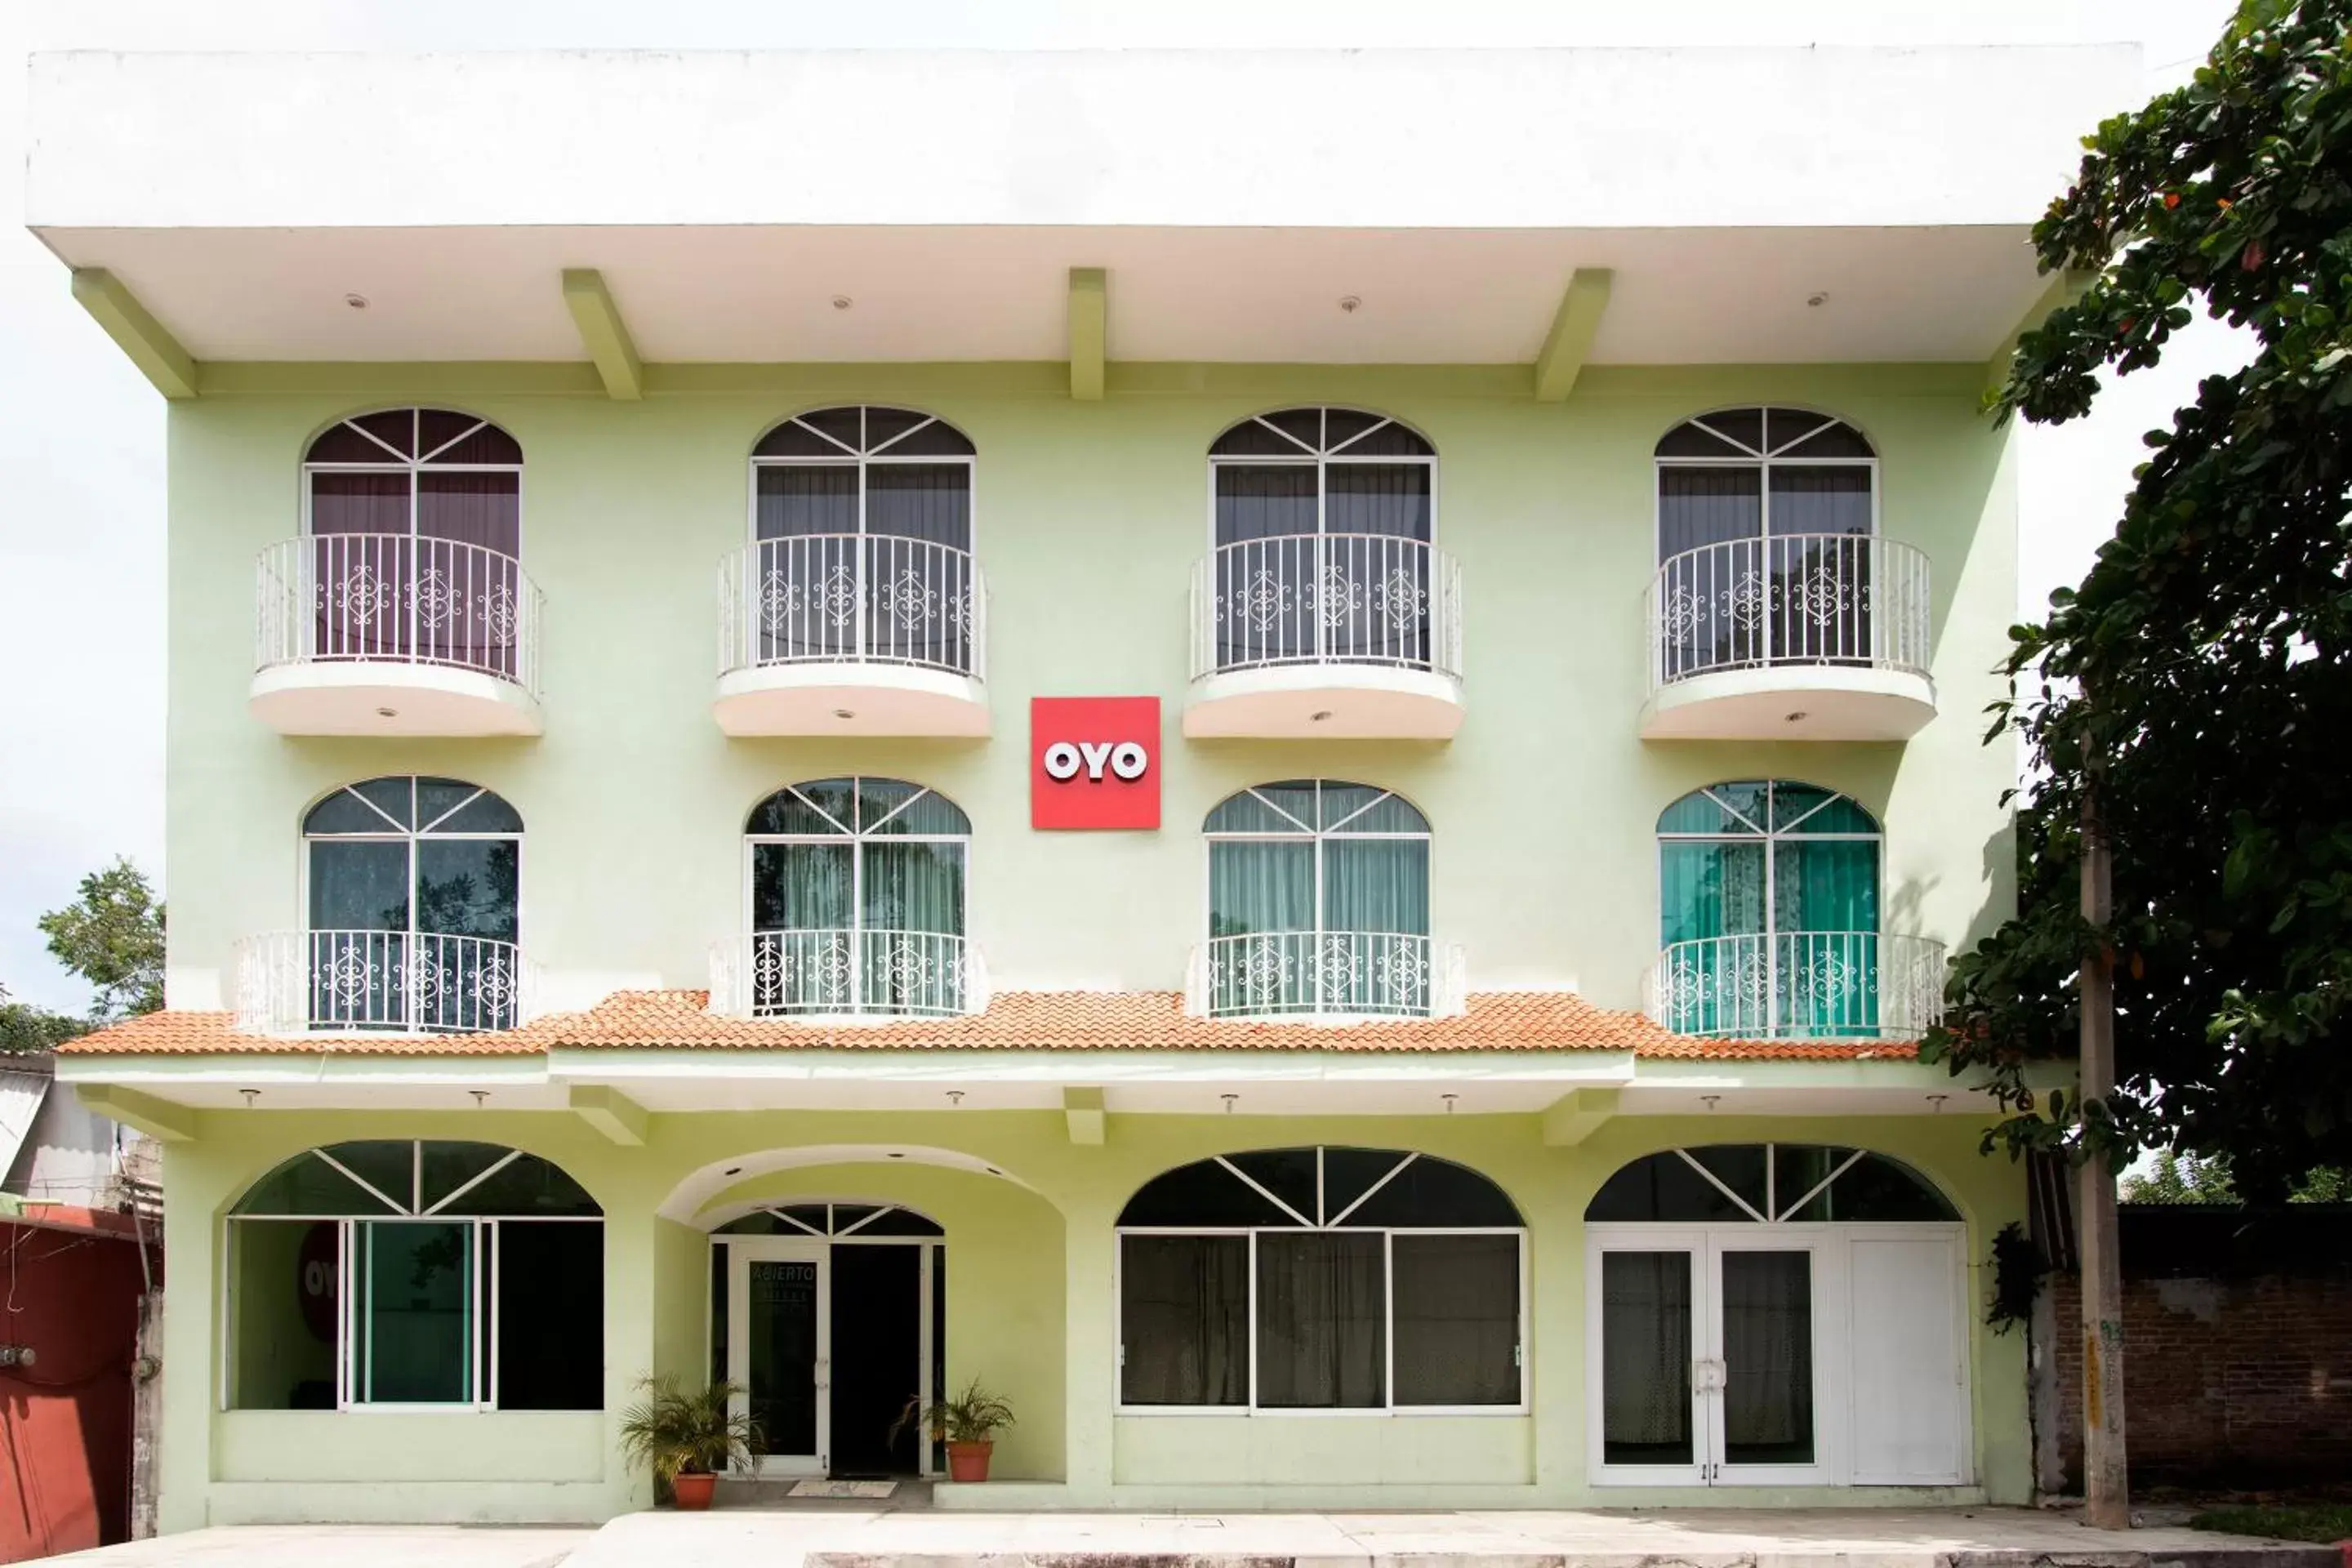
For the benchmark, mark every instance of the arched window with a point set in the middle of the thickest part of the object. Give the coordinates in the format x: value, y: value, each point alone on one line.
x: 862, y: 532
x: 416, y: 521
x: 1767, y: 1183
x: 1322, y: 528
x: 416, y: 1272
x: 1740, y: 1290
x: 1768, y: 903
x: 1765, y: 550
x: 1318, y: 901
x: 857, y: 900
x: 874, y: 1221
x: 1321, y: 1279
x: 413, y: 918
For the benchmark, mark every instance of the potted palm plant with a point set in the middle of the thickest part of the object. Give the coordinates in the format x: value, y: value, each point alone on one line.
x: 967, y: 1424
x: 687, y: 1436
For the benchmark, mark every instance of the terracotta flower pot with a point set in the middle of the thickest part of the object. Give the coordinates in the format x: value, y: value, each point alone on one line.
x: 693, y: 1490
x: 969, y: 1461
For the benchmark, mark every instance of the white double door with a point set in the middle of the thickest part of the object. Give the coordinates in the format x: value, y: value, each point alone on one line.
x: 1776, y: 1354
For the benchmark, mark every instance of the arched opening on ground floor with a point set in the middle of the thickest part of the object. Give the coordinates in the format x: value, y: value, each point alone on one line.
x: 1776, y: 1314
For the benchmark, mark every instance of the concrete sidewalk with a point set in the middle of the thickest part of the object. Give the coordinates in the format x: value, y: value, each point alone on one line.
x: 1684, y: 1538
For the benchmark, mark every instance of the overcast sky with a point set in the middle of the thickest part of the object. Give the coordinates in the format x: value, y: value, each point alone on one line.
x: 81, y: 434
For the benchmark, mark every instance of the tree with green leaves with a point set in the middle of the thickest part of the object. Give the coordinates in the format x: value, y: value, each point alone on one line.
x: 24, y: 1027
x: 112, y: 936
x: 2201, y: 674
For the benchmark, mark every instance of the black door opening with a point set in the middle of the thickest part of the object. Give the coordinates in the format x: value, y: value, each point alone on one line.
x: 876, y: 1358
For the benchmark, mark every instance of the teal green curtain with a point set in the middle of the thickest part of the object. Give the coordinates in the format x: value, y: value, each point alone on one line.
x: 1825, y: 885
x: 1376, y: 885
x: 1825, y: 902
x: 1709, y: 889
x: 1261, y: 885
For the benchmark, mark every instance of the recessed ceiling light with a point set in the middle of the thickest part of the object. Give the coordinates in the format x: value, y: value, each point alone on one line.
x: 1817, y: 299
x: 1319, y: 716
x: 1797, y: 717
x: 387, y: 712
x: 844, y: 713
x: 1351, y: 303
x: 356, y: 302
x: 734, y: 1170
x: 993, y: 1171
x: 843, y: 301
x: 895, y: 1155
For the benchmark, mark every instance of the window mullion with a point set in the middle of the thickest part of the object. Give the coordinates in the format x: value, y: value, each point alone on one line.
x: 1252, y: 1321
x: 1388, y: 1320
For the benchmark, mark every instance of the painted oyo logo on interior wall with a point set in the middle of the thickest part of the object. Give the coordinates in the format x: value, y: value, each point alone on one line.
x: 1094, y: 763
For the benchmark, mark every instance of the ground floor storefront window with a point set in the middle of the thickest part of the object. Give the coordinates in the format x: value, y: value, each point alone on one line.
x: 1321, y: 1278
x: 415, y: 1273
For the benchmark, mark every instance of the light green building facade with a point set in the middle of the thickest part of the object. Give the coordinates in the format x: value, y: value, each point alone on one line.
x: 1563, y: 1140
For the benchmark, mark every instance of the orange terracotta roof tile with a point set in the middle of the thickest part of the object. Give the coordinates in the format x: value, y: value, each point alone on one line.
x: 1015, y: 1020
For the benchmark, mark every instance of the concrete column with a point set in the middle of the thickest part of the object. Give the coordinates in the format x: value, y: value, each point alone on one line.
x: 1090, y: 1337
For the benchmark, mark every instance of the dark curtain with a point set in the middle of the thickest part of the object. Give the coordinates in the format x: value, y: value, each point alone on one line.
x: 1820, y: 587
x: 1321, y: 1321
x: 1184, y: 1319
x: 1712, y: 602
x: 1457, y: 1319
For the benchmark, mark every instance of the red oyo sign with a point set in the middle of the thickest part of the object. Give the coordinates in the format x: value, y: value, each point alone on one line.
x: 1094, y: 763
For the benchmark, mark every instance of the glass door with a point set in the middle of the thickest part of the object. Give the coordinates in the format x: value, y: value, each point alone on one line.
x: 1764, y: 1380
x: 779, y: 1350
x: 1705, y: 1357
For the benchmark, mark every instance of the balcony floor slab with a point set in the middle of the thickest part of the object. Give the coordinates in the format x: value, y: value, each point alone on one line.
x: 386, y: 697
x: 848, y: 698
x: 1792, y: 702
x: 1324, y: 702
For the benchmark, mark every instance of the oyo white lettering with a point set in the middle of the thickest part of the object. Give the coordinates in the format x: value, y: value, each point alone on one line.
x: 1127, y: 760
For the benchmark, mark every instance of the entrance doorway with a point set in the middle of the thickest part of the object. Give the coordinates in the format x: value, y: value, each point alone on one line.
x: 830, y: 1318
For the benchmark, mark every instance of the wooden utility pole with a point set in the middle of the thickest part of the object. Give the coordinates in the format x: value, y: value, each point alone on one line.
x: 2104, y: 1487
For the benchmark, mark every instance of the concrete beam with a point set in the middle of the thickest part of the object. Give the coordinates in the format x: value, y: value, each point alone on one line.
x: 1574, y: 1116
x: 611, y: 1112
x: 604, y: 334
x: 1089, y: 332
x: 159, y: 1119
x: 2065, y: 289
x: 1573, y: 326
x: 1084, y: 1106
x: 157, y: 354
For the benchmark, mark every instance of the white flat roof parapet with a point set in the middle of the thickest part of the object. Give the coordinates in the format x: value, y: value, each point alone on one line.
x: 1581, y: 139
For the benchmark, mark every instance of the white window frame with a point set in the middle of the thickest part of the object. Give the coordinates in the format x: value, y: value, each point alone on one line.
x: 1390, y: 1408
x: 1319, y: 837
x: 482, y: 1309
x: 1770, y: 838
x: 864, y: 456
x: 396, y: 462
x: 1322, y: 457
x: 1764, y: 460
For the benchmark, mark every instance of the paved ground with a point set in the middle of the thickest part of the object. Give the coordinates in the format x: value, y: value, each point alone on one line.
x: 1688, y: 1538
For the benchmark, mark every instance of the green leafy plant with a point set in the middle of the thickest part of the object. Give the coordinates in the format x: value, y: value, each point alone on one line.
x: 2018, y: 1270
x: 674, y: 1431
x: 112, y: 936
x: 975, y: 1415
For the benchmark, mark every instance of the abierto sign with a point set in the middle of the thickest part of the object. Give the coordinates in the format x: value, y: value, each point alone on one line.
x: 1094, y: 763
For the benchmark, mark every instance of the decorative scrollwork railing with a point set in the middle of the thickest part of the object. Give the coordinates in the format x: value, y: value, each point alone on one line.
x: 852, y: 597
x: 396, y: 598
x: 1325, y: 974
x: 1817, y: 985
x: 1790, y: 598
x: 371, y: 981
x: 839, y: 973
x: 1326, y: 598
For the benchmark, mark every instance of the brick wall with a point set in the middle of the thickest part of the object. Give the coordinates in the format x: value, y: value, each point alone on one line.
x: 2237, y: 1357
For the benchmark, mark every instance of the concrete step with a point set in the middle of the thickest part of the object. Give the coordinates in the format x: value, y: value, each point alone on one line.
x: 775, y: 1494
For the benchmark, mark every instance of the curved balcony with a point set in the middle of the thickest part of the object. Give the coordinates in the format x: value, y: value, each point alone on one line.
x: 1800, y: 986
x: 1806, y: 636
x: 1327, y: 635
x: 391, y: 633
x: 848, y: 973
x: 851, y: 634
x: 1335, y: 976
x: 378, y: 981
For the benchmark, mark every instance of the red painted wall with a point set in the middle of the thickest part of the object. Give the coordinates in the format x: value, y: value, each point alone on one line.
x: 65, y: 1421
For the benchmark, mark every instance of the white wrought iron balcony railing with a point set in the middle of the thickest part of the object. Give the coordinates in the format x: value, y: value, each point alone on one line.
x: 297, y: 981
x: 848, y: 973
x: 812, y: 598
x: 1326, y: 598
x: 1325, y: 975
x: 1796, y: 598
x: 1797, y: 986
x: 396, y: 598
